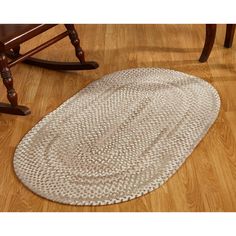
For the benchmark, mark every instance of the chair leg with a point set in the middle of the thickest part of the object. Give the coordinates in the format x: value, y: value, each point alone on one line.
x: 209, y: 42
x: 8, y: 80
x: 6, y: 75
x: 74, y: 38
x: 229, y: 37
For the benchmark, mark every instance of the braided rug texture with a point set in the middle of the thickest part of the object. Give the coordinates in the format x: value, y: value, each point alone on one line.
x: 119, y: 138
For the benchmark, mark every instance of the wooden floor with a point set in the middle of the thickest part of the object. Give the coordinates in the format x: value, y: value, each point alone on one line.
x: 206, y: 181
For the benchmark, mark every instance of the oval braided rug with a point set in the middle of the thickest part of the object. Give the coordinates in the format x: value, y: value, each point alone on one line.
x: 119, y: 138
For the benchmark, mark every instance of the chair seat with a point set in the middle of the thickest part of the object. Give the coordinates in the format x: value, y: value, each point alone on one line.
x: 15, y: 34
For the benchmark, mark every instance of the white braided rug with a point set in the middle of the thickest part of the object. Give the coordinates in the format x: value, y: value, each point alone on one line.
x: 119, y: 138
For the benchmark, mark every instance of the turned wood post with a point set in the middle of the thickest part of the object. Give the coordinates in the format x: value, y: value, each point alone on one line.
x: 74, y: 38
x: 7, y: 80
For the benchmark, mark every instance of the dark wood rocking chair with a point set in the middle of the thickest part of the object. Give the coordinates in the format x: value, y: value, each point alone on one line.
x: 210, y: 39
x: 11, y: 36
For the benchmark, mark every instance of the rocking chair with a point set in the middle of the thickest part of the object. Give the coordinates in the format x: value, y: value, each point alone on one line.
x: 11, y: 36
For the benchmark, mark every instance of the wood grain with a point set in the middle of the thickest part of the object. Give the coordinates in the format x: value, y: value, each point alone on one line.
x: 206, y: 181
